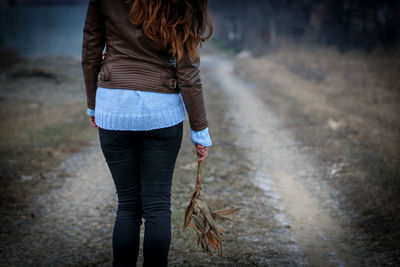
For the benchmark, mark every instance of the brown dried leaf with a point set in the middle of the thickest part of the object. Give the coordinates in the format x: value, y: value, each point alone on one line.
x: 220, y: 218
x: 227, y: 211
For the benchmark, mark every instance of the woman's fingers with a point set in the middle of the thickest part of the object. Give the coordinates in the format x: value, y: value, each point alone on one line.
x: 203, y: 156
x: 92, y: 121
x: 201, y: 152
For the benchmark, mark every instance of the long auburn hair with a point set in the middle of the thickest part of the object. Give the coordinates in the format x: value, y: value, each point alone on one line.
x: 178, y: 25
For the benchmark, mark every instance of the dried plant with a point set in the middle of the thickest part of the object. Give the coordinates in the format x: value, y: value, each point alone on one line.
x: 204, y: 220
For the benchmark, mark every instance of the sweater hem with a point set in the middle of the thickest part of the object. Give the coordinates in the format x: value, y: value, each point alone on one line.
x: 112, y: 121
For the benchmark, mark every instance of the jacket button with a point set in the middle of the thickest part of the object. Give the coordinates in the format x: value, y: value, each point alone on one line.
x: 172, y: 83
x: 101, y: 76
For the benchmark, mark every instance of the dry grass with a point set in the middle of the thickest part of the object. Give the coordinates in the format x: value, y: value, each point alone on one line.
x: 361, y: 92
x: 344, y: 108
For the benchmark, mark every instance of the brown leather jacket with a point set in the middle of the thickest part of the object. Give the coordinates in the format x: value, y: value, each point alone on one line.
x: 132, y: 61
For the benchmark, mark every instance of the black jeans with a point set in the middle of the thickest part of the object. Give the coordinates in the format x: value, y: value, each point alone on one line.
x: 142, y: 165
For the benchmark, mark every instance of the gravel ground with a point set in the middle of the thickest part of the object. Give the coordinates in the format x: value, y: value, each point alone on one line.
x: 72, y: 223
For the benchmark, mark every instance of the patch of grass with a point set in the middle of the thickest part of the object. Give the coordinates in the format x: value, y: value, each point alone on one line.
x: 76, y: 128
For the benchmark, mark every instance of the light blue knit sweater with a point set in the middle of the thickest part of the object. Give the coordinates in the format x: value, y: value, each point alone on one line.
x: 135, y: 110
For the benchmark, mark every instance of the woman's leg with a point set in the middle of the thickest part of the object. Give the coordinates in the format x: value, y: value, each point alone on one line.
x: 120, y: 149
x: 158, y: 152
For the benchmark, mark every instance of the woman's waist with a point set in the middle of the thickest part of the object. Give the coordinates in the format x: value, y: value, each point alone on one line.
x: 134, y: 101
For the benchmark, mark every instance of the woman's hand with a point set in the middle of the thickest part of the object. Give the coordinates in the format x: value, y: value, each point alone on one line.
x: 92, y: 121
x: 201, y: 152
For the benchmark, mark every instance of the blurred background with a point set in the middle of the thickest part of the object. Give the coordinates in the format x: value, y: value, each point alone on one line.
x: 256, y: 25
x: 262, y: 25
x: 329, y: 70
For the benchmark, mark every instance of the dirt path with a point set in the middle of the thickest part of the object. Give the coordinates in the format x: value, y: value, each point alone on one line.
x: 287, y: 173
x: 288, y: 218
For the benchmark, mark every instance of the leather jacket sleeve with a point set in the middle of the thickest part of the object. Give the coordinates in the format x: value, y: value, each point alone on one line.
x: 190, y: 85
x: 92, y: 47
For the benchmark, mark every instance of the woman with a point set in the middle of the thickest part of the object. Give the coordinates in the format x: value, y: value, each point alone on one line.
x: 137, y: 92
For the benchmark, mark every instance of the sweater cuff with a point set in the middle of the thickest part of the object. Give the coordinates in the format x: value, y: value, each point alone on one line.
x: 90, y: 112
x: 201, y: 137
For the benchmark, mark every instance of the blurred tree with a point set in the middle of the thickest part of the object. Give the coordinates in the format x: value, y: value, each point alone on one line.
x: 262, y: 24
